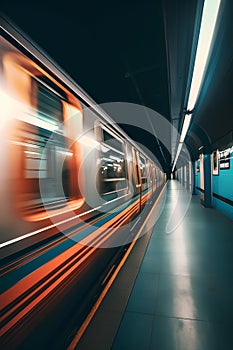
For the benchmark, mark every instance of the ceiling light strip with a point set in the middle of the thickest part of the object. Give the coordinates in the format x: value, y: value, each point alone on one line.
x: 208, y: 23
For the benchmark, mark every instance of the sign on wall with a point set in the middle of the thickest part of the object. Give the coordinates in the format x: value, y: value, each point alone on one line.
x: 224, y: 159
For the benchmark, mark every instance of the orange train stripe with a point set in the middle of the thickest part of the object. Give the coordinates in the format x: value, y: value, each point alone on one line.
x: 23, y: 285
x: 19, y: 288
x: 38, y: 299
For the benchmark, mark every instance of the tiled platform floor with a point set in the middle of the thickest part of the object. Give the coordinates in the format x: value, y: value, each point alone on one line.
x: 182, y: 297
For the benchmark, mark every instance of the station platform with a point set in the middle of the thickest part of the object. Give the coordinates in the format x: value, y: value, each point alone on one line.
x: 175, y: 290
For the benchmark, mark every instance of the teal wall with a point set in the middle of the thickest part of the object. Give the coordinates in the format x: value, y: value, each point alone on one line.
x: 222, y: 185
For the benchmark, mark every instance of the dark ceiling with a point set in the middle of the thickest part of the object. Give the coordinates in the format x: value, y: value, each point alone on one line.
x: 140, y: 52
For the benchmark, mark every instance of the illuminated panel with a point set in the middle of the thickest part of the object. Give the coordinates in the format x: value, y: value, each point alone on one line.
x: 209, y: 17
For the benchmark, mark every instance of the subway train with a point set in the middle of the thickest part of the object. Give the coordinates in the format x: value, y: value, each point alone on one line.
x: 72, y: 184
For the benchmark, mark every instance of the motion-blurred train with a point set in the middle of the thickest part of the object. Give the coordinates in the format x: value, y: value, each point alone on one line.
x: 70, y: 179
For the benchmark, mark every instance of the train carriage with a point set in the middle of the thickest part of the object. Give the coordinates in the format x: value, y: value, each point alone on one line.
x: 71, y: 181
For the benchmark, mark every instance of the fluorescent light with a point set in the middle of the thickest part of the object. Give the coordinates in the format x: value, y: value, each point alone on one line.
x: 208, y: 22
x: 185, y: 127
x: 177, y: 155
x: 209, y: 17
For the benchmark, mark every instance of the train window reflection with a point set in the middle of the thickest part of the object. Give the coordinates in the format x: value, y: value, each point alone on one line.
x: 143, y: 171
x: 112, y: 171
x: 45, y: 168
x: 112, y: 141
x: 48, y: 104
x: 35, y: 162
x: 149, y: 172
x: 136, y: 167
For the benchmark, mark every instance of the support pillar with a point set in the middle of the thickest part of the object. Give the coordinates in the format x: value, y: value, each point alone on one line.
x: 208, y: 194
x: 193, y: 178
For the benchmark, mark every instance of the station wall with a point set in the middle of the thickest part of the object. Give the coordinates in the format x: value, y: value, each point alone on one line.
x: 222, y: 186
x: 222, y: 181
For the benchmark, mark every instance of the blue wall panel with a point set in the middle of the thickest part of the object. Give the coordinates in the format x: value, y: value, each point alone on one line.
x: 223, y: 186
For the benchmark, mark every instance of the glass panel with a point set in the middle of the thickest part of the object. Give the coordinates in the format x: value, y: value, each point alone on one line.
x: 113, y: 142
x: 48, y: 103
x: 135, y: 164
x: 143, y: 169
x: 35, y: 164
x: 112, y: 172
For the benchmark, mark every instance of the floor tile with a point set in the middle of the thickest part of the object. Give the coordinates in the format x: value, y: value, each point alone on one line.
x: 144, y: 294
x: 151, y: 264
x: 201, y: 298
x: 134, y: 332
x: 180, y: 334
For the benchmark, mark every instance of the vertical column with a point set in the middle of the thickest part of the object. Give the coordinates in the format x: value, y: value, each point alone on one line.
x: 193, y: 177
x: 208, y: 196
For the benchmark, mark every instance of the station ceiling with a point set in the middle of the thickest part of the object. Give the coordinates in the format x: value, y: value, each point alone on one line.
x: 140, y: 52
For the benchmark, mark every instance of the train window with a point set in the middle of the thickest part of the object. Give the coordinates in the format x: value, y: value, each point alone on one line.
x: 143, y: 169
x: 35, y: 161
x: 149, y: 171
x: 112, y: 141
x: 44, y: 168
x: 112, y: 172
x: 154, y: 176
x: 47, y: 102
